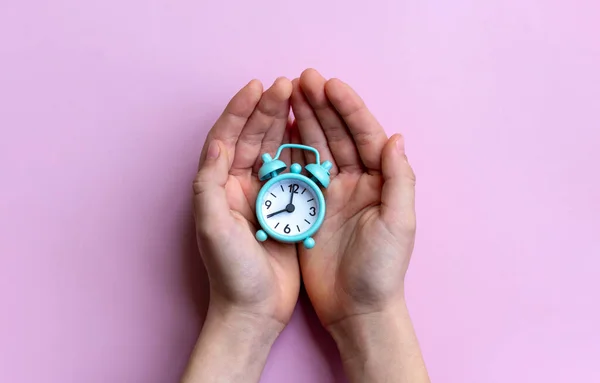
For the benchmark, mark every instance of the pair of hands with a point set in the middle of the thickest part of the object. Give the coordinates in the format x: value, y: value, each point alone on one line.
x: 356, y: 270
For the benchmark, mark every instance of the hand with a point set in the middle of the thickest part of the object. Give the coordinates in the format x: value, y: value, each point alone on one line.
x: 354, y: 275
x: 365, y: 243
x: 253, y: 286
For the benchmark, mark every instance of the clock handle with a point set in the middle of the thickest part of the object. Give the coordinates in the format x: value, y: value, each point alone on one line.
x: 301, y: 147
x: 318, y: 171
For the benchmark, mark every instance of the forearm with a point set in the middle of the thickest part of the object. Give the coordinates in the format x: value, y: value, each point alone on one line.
x: 380, y: 347
x: 232, y: 347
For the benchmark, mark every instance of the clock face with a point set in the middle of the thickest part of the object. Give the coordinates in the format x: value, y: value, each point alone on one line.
x: 290, y: 207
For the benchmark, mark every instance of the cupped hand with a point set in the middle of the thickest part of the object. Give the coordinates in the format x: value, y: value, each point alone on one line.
x: 246, y: 277
x: 365, y: 243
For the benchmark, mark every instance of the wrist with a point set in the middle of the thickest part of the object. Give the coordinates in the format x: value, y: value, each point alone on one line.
x: 360, y: 335
x: 233, y: 346
x: 380, y: 346
x: 237, y: 321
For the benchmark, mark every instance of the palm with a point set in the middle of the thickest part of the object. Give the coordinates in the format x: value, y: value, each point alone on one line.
x: 273, y: 266
x: 348, y: 251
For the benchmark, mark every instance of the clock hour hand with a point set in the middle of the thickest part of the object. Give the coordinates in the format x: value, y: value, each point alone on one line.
x: 289, y: 208
x: 277, y: 212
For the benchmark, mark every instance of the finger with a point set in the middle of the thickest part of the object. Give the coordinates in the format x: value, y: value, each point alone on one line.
x: 398, y: 193
x: 229, y: 125
x: 286, y: 155
x: 210, y: 201
x: 369, y: 136
x: 275, y: 136
x: 273, y: 107
x: 309, y: 127
x: 297, y: 154
x: 339, y: 140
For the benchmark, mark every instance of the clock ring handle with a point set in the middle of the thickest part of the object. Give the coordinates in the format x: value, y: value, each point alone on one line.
x: 319, y: 172
x: 299, y: 146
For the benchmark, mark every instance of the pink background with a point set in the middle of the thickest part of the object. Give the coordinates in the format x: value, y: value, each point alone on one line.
x: 104, y: 106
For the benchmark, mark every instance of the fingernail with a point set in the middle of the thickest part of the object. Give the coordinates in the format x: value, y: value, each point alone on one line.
x: 213, y: 150
x: 400, y: 145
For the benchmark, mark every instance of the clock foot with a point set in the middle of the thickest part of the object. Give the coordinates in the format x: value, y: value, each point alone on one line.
x: 261, y: 236
x: 309, y: 243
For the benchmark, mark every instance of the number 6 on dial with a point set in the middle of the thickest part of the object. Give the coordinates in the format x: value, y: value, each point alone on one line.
x: 290, y: 207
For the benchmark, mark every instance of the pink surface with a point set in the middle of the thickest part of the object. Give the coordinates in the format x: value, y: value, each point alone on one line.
x: 104, y: 105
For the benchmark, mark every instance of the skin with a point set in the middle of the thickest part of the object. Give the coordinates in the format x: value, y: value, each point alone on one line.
x: 354, y: 275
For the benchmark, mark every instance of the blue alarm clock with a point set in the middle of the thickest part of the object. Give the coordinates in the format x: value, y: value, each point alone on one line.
x: 290, y: 207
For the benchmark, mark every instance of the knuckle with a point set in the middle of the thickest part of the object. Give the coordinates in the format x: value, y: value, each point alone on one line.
x: 369, y: 137
x: 201, y: 183
x: 203, y: 233
x: 409, y: 225
x: 336, y: 133
x: 269, y: 108
x: 363, y: 138
x: 270, y: 145
x: 401, y: 225
x: 409, y: 172
x: 252, y: 139
x: 210, y: 232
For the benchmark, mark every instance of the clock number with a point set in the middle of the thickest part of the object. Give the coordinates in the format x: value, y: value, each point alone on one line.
x: 268, y: 204
x: 294, y: 188
x: 312, y: 211
x: 287, y: 229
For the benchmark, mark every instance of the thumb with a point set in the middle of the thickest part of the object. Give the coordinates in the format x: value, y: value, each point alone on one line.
x: 398, y: 193
x: 211, y: 208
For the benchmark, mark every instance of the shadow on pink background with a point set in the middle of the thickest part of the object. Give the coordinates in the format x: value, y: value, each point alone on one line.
x: 104, y: 106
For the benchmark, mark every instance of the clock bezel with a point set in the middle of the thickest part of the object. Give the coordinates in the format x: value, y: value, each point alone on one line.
x: 296, y: 237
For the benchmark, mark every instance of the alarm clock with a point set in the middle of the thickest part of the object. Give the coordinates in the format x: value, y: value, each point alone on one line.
x: 290, y: 207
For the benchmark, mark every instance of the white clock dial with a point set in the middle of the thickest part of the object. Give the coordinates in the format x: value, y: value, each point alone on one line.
x: 289, y: 215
